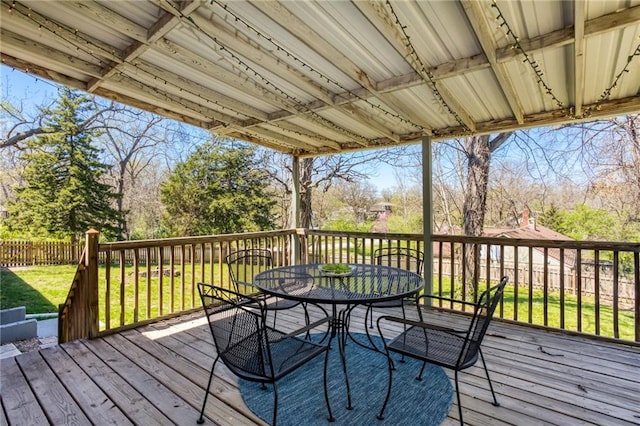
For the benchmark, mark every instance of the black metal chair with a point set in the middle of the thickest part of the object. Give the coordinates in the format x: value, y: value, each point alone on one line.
x: 456, y: 349
x: 398, y: 257
x: 243, y: 265
x: 251, y: 349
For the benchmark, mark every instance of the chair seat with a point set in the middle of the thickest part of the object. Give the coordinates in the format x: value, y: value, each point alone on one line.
x: 436, y: 346
x: 277, y: 303
x: 287, y: 354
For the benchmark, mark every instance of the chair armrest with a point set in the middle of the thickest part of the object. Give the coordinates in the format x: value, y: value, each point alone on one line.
x: 419, y: 324
x: 308, y: 327
x: 447, y: 299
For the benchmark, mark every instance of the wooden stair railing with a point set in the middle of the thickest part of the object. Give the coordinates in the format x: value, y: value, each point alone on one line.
x: 78, y: 315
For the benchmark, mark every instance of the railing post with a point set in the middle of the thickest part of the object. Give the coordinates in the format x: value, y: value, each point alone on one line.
x: 91, y: 263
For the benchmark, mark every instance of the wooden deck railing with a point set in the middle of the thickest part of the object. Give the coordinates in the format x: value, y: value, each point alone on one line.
x: 578, y: 286
x: 77, y: 316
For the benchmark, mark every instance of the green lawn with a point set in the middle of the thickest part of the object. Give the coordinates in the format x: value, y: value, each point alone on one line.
x: 42, y: 288
x: 626, y: 319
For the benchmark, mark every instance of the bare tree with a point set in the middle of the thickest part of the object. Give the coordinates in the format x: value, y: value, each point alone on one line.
x: 133, y: 140
x: 358, y: 196
x: 23, y: 126
x: 321, y: 173
x: 612, y: 149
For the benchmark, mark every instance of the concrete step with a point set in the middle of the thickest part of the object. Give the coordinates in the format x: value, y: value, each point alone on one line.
x: 19, y: 330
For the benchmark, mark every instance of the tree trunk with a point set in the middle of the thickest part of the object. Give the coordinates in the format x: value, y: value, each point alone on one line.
x: 478, y: 150
x: 306, y: 170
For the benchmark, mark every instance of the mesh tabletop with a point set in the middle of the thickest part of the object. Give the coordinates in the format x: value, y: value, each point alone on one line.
x: 362, y: 284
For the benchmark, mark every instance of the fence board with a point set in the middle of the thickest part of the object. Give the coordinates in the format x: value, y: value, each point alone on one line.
x: 30, y: 253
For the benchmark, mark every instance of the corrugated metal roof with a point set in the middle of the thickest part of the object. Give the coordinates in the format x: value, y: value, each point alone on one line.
x: 317, y: 77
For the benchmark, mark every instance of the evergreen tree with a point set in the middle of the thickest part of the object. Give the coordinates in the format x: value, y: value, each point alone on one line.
x: 219, y: 189
x: 551, y: 218
x: 65, y: 194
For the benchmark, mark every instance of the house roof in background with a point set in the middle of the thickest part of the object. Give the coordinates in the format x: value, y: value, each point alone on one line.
x: 534, y: 231
x: 320, y: 77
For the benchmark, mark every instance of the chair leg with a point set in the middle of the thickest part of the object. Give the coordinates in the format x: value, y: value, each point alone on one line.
x: 206, y: 395
x: 369, y: 313
x: 419, y: 376
x: 495, y: 401
x: 404, y: 317
x: 386, y: 399
x: 275, y: 404
x: 326, y: 391
x: 458, y: 394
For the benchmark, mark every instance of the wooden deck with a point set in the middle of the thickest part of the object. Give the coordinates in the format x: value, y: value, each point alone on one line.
x: 157, y: 374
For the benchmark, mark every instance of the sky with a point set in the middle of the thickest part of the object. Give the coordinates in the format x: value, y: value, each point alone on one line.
x: 17, y: 86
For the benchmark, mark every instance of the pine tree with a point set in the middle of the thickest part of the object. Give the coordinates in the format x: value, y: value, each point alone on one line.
x: 65, y: 194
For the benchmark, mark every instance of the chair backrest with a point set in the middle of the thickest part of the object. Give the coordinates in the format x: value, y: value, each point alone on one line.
x: 237, y: 324
x: 400, y: 257
x: 243, y: 265
x: 482, y: 315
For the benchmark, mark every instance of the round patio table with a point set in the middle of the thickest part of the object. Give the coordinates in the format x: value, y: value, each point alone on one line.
x: 363, y: 284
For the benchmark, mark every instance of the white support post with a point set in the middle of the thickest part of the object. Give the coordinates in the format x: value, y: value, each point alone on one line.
x: 295, y: 206
x: 427, y: 214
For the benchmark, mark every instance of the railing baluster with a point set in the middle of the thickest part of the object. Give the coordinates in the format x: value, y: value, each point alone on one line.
x: 107, y: 290
x: 182, y: 277
x: 172, y: 280
x: 502, y: 274
x: 192, y: 287
x: 545, y: 295
x: 636, y: 278
x: 596, y: 289
x: 122, y: 287
x: 516, y: 282
x: 615, y: 301
x: 136, y: 286
x: 147, y: 254
x: 562, y: 289
x: 579, y: 289
x: 530, y: 279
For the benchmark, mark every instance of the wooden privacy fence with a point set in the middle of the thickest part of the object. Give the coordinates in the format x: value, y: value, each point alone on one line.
x: 29, y: 253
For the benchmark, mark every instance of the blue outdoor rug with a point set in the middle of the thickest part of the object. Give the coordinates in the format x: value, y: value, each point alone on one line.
x: 301, y: 396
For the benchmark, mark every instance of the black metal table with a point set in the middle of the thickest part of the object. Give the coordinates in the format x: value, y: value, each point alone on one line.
x: 364, y: 284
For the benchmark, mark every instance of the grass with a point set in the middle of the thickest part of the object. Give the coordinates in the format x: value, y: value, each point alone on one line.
x: 42, y: 288
x: 536, y: 315
x: 39, y: 288
x: 130, y: 302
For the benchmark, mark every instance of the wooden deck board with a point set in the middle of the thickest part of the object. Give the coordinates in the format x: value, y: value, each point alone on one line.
x: 83, y: 389
x: 20, y: 405
x: 170, y: 404
x: 120, y: 392
x: 156, y: 374
x: 58, y: 405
